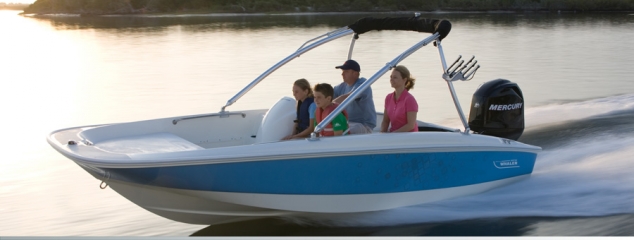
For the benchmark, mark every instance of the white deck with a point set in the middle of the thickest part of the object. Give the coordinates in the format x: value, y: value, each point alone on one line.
x: 148, y: 143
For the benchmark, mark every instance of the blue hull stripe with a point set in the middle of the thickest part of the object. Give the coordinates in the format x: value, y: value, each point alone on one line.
x: 366, y: 174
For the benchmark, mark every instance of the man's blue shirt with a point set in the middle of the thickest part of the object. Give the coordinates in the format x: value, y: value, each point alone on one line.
x: 361, y: 109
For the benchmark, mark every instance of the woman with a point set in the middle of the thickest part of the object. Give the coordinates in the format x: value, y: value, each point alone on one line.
x: 401, y: 107
x: 305, y: 110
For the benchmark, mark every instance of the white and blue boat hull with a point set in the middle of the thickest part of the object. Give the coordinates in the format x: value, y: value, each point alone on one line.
x: 170, y: 174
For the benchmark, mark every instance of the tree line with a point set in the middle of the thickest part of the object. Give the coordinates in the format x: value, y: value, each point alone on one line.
x: 253, y: 6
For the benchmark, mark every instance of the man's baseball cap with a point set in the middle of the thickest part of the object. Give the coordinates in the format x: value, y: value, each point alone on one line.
x: 350, y: 64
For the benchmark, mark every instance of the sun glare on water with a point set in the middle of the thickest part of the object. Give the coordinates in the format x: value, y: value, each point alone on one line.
x: 36, y: 65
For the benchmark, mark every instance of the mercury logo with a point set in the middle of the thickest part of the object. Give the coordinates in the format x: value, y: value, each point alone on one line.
x: 495, y: 107
x: 506, y: 164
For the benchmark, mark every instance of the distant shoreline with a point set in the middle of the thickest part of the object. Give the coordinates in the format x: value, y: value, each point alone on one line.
x: 224, y: 14
x: 143, y: 7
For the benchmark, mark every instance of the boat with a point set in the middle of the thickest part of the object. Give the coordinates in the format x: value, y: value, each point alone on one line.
x: 231, y: 166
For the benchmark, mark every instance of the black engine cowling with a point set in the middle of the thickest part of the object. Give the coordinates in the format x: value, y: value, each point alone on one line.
x: 497, y: 109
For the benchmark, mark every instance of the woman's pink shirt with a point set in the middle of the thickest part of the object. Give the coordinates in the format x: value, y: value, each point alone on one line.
x: 397, y: 110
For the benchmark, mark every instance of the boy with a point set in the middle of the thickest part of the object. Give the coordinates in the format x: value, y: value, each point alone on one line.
x: 323, y: 93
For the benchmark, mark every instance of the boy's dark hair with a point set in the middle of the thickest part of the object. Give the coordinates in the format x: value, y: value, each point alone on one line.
x: 325, y: 89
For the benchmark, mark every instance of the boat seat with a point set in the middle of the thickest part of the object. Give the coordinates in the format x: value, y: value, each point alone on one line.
x: 278, y: 121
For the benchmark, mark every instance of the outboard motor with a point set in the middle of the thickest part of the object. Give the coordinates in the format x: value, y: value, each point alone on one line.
x: 497, y: 109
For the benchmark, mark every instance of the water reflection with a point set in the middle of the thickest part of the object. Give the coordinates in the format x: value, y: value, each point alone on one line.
x: 278, y: 227
x: 520, y: 226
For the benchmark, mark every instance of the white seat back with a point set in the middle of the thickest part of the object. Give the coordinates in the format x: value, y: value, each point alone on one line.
x: 278, y: 121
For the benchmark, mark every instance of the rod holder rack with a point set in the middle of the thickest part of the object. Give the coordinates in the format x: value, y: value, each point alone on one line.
x: 460, y: 70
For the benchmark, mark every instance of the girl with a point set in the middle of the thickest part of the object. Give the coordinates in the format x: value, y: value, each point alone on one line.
x: 305, y: 110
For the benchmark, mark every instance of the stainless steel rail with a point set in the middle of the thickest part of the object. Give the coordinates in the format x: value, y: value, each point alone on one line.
x: 220, y: 114
x: 451, y: 88
x: 370, y: 81
x: 304, y: 48
x: 354, y: 39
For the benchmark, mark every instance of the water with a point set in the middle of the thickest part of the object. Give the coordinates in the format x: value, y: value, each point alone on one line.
x: 65, y: 71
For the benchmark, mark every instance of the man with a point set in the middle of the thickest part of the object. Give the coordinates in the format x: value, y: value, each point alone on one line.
x: 361, y: 111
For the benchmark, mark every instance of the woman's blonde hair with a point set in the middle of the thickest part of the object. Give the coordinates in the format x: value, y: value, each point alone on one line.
x: 409, y: 80
x: 304, y: 85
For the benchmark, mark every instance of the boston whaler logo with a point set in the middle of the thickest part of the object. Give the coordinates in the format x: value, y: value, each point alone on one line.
x: 506, y: 164
x: 505, y: 107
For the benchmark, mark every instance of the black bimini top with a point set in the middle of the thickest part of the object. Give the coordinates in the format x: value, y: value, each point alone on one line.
x: 363, y: 25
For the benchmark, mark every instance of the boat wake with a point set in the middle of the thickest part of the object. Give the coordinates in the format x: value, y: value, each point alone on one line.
x: 578, y: 110
x: 585, y: 170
